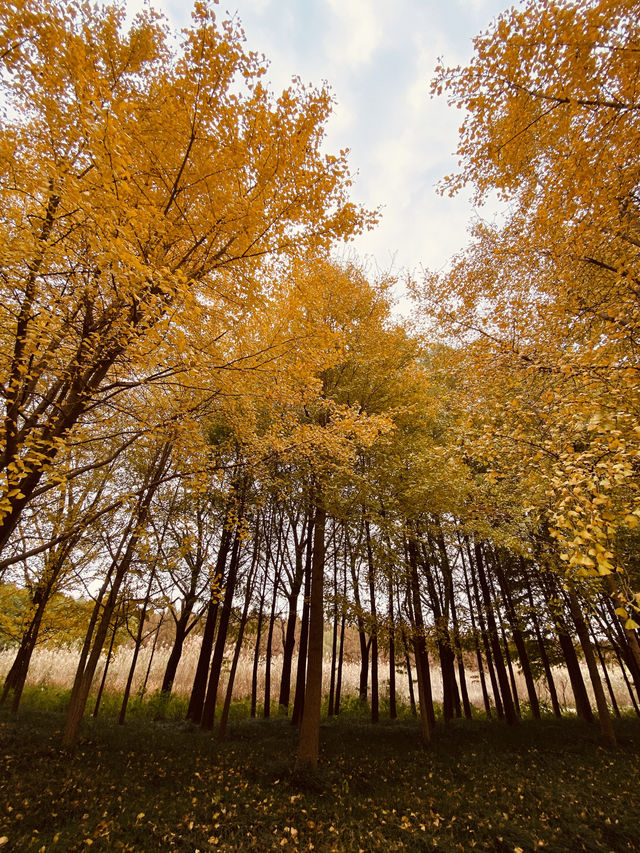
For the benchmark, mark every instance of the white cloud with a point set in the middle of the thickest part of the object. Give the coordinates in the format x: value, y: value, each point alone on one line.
x: 378, y: 57
x: 258, y: 6
x: 355, y: 32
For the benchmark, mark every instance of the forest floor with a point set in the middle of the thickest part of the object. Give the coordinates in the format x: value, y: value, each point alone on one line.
x: 166, y: 785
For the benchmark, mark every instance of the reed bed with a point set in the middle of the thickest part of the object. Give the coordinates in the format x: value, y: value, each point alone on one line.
x: 55, y: 667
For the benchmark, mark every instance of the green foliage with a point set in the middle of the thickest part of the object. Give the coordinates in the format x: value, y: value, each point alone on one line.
x: 12, y: 610
x: 155, y: 706
x: 46, y: 698
x: 64, y: 623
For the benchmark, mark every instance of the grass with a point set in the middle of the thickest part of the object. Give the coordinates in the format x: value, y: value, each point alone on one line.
x: 165, y: 785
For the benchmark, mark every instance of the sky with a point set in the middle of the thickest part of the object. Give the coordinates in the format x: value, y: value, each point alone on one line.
x: 378, y: 57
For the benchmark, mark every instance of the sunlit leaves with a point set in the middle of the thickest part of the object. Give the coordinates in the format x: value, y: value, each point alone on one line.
x: 144, y: 188
x: 545, y: 304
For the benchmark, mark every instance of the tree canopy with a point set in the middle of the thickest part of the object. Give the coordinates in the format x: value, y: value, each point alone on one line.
x: 209, y: 418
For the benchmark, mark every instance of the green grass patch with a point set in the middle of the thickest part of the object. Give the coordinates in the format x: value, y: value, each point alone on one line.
x: 166, y: 785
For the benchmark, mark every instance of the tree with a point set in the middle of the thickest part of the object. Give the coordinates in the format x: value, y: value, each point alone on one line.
x: 143, y: 186
x: 548, y: 300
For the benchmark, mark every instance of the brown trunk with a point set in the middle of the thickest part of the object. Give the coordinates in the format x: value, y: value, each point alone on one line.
x: 103, y: 680
x: 85, y: 672
x: 343, y: 622
x: 580, y: 696
x: 412, y: 695
x: 449, y: 688
x: 209, y: 707
x: 393, y: 704
x: 17, y: 675
x: 334, y: 633
x: 466, y: 704
x: 309, y: 743
x: 451, y: 650
x: 365, y: 644
x: 605, y: 673
x: 176, y: 651
x: 256, y: 650
x: 613, y: 626
x: 427, y: 714
x: 143, y: 687
x: 497, y: 700
x: 375, y: 701
x: 604, y: 718
x: 199, y: 689
x: 544, y: 657
x: 224, y: 717
x: 136, y: 651
x: 301, y: 667
x: 623, y: 670
x: 630, y: 633
x: 476, y: 641
x: 272, y: 622
x: 518, y: 637
x: 507, y: 699
x: 583, y: 708
x: 292, y: 598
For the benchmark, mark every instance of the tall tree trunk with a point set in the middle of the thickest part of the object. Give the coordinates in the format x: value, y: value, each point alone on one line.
x: 518, y: 636
x: 509, y: 662
x: 630, y: 634
x: 334, y: 634
x: 199, y: 689
x: 365, y: 644
x: 544, y: 657
x: 495, y: 598
x: 209, y: 707
x: 268, y: 655
x: 181, y: 625
x: 224, y: 717
x: 393, y: 702
x: 343, y: 622
x: 427, y: 714
x: 86, y: 671
x: 581, y: 698
x: 103, y: 680
x: 476, y: 641
x: 630, y: 690
x: 143, y: 686
x: 507, y: 699
x: 449, y: 646
x: 375, y: 701
x: 256, y: 649
x: 497, y: 699
x: 583, y: 707
x: 412, y: 695
x: 444, y: 650
x: 466, y: 704
x: 309, y: 743
x: 604, y: 718
x: 136, y: 650
x: 298, y: 700
x: 17, y: 675
x: 445, y: 653
x: 624, y: 638
x: 605, y: 672
x: 616, y: 637
x: 292, y: 599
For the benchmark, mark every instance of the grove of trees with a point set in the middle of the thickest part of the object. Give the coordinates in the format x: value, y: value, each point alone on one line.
x: 208, y: 414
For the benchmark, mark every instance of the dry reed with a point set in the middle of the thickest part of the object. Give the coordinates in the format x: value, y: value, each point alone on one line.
x: 56, y: 667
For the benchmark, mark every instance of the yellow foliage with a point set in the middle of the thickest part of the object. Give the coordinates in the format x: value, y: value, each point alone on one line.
x: 544, y: 306
x: 146, y: 194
